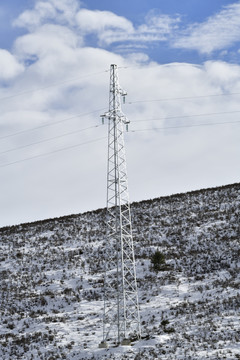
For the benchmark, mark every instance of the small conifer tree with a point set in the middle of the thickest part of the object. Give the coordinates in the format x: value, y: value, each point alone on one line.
x: 158, y: 261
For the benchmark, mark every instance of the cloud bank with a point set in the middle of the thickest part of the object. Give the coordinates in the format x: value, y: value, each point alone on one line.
x: 217, y: 32
x: 9, y: 66
x: 56, y: 82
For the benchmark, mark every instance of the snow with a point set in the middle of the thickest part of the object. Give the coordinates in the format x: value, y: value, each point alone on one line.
x: 52, y: 273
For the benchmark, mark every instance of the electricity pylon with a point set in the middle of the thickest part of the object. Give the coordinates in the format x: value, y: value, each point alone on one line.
x: 121, y: 320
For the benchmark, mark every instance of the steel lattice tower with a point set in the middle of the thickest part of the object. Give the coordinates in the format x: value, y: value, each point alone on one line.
x: 121, y: 319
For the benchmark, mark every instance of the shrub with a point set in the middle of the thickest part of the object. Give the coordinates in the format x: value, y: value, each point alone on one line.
x: 158, y: 261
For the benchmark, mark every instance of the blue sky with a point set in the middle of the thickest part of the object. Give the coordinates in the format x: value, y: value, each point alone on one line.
x: 193, y: 10
x: 189, y: 12
x: 178, y: 61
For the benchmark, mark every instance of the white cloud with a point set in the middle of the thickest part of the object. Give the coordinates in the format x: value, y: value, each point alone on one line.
x: 99, y: 21
x: 62, y: 78
x: 9, y: 66
x: 61, y: 11
x: 160, y: 24
x: 74, y: 181
x: 34, y: 18
x: 110, y: 28
x: 107, y: 27
x: 217, y: 32
x: 46, y: 40
x: 223, y: 74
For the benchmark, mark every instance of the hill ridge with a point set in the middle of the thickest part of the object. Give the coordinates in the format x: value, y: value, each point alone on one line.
x: 51, y: 276
x: 36, y: 222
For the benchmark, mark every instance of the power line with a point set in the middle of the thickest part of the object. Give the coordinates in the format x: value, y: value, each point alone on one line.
x: 147, y: 67
x: 98, y: 110
x: 53, y: 152
x: 181, y: 98
x: 50, y: 124
x: 49, y: 139
x: 105, y: 71
x: 188, y: 116
x: 186, y: 126
x: 52, y: 85
x: 96, y: 126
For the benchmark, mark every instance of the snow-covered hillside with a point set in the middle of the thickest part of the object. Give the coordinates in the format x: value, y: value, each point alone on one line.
x: 51, y: 298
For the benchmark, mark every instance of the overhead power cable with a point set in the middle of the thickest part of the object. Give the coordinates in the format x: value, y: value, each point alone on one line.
x: 141, y: 120
x: 102, y: 109
x: 52, y: 85
x: 187, y: 116
x: 53, y: 152
x: 185, y: 126
x: 50, y: 124
x: 181, y: 98
x: 49, y: 139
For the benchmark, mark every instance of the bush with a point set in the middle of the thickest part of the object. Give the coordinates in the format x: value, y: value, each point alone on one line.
x: 164, y: 322
x: 158, y: 261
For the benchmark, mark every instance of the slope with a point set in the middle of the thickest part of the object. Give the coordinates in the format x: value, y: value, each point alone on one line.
x: 51, y: 280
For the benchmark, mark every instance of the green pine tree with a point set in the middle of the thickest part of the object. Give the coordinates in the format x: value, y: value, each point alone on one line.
x: 158, y: 261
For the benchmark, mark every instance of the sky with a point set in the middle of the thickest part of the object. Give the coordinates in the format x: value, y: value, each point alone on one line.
x: 178, y: 62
